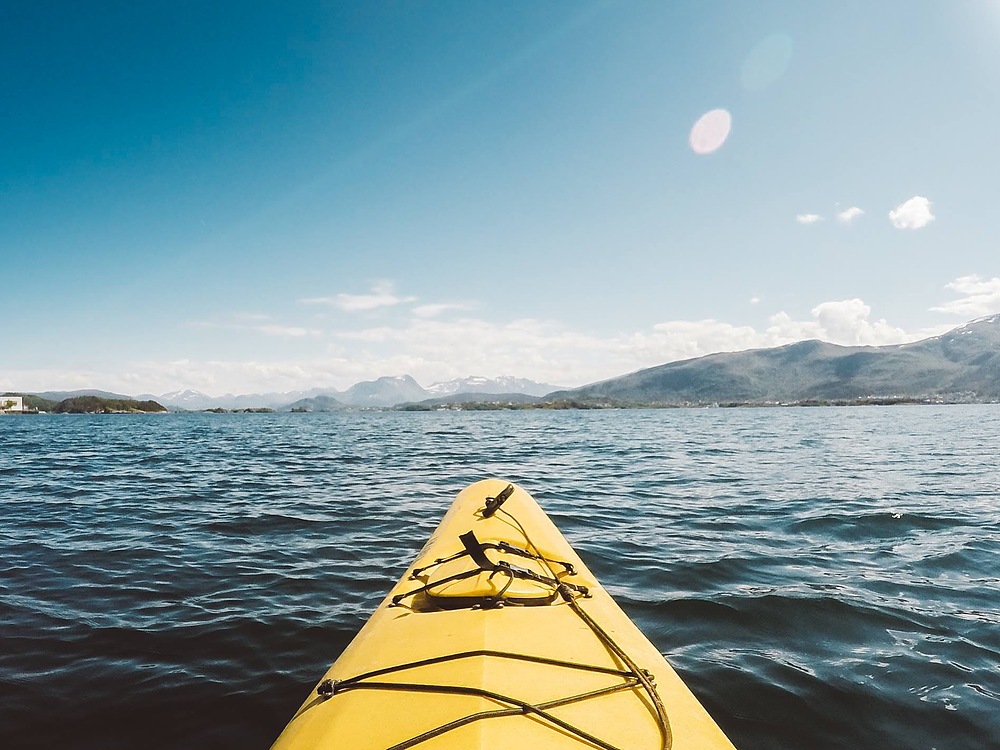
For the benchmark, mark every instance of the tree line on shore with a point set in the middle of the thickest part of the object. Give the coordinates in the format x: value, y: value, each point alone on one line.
x: 89, y: 405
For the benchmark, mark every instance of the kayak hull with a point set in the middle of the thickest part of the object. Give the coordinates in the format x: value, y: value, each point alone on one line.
x: 442, y: 666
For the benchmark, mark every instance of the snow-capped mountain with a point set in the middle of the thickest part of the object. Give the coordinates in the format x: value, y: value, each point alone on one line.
x: 191, y: 400
x: 187, y: 399
x: 379, y: 393
x: 502, y: 384
x: 387, y: 391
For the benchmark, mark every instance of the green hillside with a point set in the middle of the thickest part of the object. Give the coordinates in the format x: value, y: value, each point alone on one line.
x: 961, y: 365
x: 98, y: 405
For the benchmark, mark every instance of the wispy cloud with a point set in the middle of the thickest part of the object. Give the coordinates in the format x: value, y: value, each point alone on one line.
x: 253, y: 323
x: 378, y: 335
x: 432, y: 349
x: 848, y: 215
x: 382, y: 294
x: 434, y: 310
x: 808, y: 218
x: 249, y: 317
x: 980, y: 297
x: 553, y: 352
x: 912, y: 214
x: 287, y: 331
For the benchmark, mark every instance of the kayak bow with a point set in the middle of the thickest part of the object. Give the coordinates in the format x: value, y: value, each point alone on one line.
x: 499, y: 636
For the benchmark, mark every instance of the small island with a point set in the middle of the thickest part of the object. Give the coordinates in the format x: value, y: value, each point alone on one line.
x: 248, y: 410
x: 98, y: 405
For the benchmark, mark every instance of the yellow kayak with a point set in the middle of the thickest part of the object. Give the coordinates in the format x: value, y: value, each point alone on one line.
x: 498, y: 636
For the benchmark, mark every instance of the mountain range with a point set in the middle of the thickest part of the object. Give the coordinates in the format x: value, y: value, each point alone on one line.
x: 960, y: 365
x: 380, y: 393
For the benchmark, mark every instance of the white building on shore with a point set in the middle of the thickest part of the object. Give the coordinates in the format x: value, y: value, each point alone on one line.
x: 11, y: 404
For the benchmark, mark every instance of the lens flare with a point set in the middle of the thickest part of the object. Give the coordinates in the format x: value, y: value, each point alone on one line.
x: 711, y: 131
x: 767, y: 62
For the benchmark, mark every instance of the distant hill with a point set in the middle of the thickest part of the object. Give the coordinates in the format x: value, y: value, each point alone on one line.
x: 472, y: 401
x: 963, y: 364
x: 99, y: 405
x: 190, y: 400
x: 505, y: 384
x: 383, y: 392
x: 34, y: 403
x: 63, y: 395
x: 317, y: 403
x: 387, y: 391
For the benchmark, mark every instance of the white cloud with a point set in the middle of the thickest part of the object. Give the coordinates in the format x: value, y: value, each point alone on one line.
x: 684, y: 339
x: 433, y: 311
x: 252, y: 322
x: 848, y: 215
x: 550, y: 351
x: 287, y: 331
x: 383, y: 294
x: 980, y: 297
x: 216, y: 377
x: 371, y: 335
x: 438, y: 350
x: 912, y: 214
x: 843, y: 322
x: 808, y: 218
x: 434, y: 349
x: 846, y: 322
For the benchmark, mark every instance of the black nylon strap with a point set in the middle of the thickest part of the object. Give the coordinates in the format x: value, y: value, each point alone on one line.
x: 475, y: 550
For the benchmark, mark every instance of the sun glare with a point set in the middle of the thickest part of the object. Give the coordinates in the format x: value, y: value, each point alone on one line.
x: 711, y: 131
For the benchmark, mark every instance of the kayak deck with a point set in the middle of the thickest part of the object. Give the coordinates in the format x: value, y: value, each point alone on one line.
x: 496, y: 637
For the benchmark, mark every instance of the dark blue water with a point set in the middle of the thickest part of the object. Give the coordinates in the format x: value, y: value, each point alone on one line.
x: 822, y: 578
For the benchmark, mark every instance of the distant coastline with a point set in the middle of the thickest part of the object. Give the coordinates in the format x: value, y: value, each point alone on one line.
x: 86, y: 405
x: 479, y: 406
x: 961, y: 366
x: 596, y: 404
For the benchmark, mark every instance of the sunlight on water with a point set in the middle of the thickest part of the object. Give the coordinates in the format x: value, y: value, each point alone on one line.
x: 820, y: 578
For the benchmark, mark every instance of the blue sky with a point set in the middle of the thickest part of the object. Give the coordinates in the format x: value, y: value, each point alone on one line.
x: 265, y: 197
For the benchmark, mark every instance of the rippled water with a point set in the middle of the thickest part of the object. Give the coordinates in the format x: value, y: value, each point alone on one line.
x: 822, y: 578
